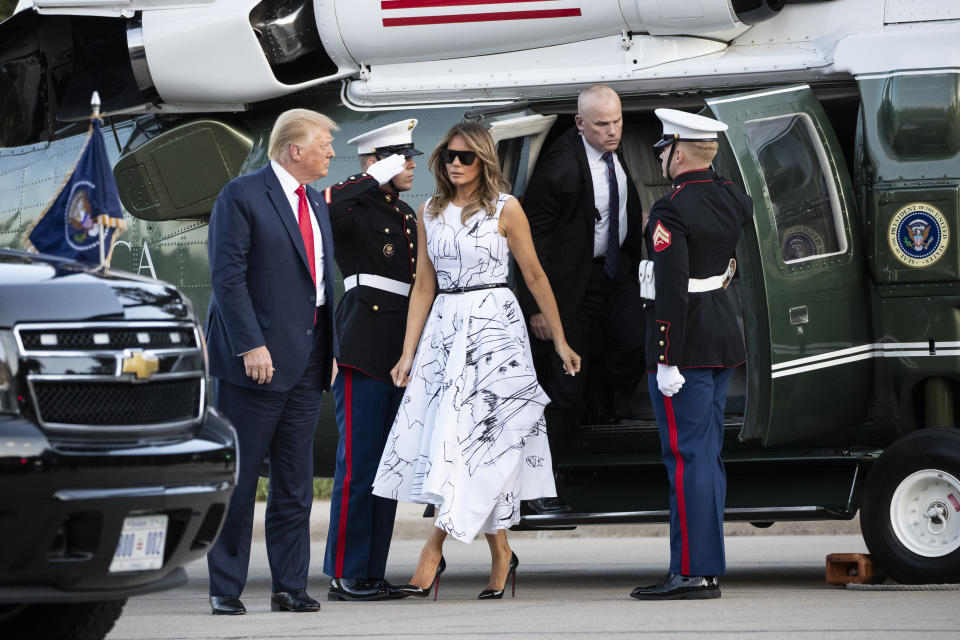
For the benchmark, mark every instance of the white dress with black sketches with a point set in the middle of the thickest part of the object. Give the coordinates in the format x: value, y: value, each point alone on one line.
x: 470, y: 436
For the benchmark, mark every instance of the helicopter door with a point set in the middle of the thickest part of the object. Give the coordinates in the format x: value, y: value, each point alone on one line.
x: 811, y: 361
x: 519, y: 139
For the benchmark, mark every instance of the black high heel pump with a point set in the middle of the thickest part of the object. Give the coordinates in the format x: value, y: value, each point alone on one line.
x: 420, y: 592
x: 496, y: 594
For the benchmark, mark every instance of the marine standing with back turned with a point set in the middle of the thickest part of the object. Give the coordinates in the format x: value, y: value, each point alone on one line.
x: 693, y: 343
x: 375, y: 238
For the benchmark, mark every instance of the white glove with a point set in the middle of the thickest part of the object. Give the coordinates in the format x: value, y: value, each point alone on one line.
x: 385, y: 170
x: 669, y: 380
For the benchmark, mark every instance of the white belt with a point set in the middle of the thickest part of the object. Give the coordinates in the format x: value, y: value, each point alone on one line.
x: 376, y: 282
x: 694, y: 285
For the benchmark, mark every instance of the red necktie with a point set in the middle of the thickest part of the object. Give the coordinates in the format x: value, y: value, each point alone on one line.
x: 306, y: 230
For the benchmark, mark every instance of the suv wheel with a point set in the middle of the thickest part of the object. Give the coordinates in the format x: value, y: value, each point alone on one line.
x: 78, y: 621
x: 910, y: 516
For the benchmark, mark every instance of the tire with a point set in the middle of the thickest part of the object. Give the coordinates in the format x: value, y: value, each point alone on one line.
x: 910, y: 515
x: 77, y: 621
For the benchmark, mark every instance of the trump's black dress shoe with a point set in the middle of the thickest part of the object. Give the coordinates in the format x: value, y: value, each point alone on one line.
x: 227, y: 606
x: 548, y: 506
x: 674, y: 586
x: 360, y: 589
x: 296, y: 600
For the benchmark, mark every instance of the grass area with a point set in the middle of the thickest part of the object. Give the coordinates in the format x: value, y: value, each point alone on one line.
x: 322, y: 487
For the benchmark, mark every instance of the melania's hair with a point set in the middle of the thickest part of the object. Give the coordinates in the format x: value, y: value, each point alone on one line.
x: 492, y: 183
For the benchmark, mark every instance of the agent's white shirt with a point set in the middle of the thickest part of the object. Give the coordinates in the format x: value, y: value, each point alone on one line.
x: 289, y: 185
x: 601, y: 197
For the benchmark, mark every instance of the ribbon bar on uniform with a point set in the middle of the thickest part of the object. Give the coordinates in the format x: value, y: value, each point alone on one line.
x: 376, y: 282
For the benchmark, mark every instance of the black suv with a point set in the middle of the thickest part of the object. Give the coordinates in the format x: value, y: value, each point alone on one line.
x: 114, y: 471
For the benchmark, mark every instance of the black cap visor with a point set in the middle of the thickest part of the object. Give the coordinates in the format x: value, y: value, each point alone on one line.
x: 668, y: 139
x: 406, y: 150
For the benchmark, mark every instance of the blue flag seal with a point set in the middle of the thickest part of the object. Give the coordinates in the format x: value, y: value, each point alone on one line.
x: 85, y: 208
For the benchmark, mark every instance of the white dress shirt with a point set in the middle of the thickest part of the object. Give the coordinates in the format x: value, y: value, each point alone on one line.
x: 289, y: 184
x: 601, y: 197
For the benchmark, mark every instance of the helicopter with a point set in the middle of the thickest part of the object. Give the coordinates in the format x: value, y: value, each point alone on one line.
x: 844, y: 127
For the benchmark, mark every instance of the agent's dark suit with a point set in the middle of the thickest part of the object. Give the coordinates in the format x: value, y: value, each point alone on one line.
x: 263, y: 294
x: 595, y: 311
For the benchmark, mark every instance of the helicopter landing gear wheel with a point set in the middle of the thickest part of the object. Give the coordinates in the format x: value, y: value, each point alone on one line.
x: 910, y: 516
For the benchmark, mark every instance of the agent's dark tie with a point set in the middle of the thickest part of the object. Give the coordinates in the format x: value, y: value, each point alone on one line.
x: 306, y: 230
x: 612, y: 262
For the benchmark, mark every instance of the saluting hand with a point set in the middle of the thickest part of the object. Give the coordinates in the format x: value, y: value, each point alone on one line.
x: 258, y: 365
x: 385, y: 170
x: 400, y: 374
x: 571, y: 361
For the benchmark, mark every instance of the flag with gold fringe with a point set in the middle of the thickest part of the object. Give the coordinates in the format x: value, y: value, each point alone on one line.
x: 85, y: 217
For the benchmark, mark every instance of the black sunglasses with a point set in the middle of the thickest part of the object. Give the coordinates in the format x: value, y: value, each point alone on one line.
x: 466, y: 157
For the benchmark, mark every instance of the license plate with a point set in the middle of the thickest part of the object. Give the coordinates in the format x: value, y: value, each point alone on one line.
x: 141, y: 544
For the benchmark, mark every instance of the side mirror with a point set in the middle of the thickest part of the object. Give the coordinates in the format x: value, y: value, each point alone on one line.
x: 179, y: 173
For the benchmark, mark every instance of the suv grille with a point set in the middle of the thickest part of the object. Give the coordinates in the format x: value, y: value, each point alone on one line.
x: 108, y: 383
x: 99, y: 338
x: 112, y: 403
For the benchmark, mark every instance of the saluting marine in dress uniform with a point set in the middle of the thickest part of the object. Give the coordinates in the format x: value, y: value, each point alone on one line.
x: 375, y: 239
x: 693, y: 342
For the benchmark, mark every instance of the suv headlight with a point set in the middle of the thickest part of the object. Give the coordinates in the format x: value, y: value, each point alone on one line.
x: 8, y: 395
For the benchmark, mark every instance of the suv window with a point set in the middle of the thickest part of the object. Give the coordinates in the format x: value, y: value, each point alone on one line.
x: 806, y: 206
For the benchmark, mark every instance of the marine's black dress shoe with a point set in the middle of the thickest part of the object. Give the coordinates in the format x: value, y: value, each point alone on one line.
x: 674, y: 586
x: 392, y: 592
x: 296, y: 600
x: 359, y: 589
x: 548, y: 506
x: 227, y: 606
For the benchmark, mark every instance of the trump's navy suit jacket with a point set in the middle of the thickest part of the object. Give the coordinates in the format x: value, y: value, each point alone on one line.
x: 263, y: 293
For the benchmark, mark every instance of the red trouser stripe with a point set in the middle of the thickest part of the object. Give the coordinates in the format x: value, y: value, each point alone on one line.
x: 348, y: 454
x: 678, y: 481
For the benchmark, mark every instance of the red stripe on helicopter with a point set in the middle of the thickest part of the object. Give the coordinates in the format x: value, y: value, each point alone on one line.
x: 481, y: 17
x: 424, y: 4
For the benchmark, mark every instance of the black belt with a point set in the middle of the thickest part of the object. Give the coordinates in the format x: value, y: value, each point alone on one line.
x: 477, y: 287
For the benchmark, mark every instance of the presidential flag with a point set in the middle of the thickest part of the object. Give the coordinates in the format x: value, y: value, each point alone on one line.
x: 85, y: 211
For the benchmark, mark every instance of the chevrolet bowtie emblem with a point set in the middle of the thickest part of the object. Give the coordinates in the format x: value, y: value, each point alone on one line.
x: 142, y: 366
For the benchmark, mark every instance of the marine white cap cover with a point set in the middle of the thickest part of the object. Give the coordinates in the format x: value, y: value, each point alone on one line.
x: 681, y: 126
x: 393, y: 138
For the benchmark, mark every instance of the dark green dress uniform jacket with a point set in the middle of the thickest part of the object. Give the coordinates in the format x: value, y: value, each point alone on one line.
x: 692, y: 233
x: 375, y: 233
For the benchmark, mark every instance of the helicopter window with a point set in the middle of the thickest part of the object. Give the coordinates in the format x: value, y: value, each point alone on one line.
x: 802, y: 191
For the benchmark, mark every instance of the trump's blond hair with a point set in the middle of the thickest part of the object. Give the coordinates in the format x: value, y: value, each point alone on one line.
x: 296, y: 126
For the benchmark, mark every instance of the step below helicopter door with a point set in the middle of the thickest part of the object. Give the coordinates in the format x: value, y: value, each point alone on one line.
x: 809, y: 337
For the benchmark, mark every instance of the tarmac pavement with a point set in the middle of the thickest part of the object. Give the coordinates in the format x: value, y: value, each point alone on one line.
x: 569, y: 585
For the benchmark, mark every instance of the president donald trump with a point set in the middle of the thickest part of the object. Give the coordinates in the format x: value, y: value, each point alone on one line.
x: 270, y: 335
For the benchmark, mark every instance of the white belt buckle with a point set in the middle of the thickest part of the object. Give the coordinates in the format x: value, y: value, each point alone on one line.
x: 728, y: 276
